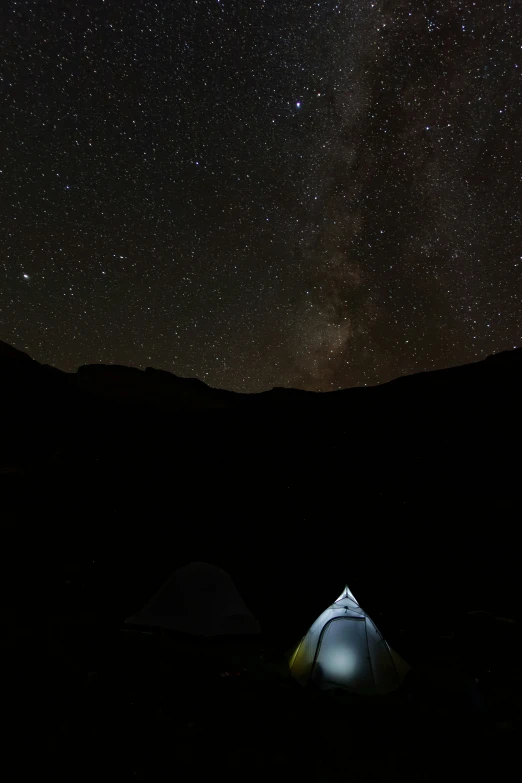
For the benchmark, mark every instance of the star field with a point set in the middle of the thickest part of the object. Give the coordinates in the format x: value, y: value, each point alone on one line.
x: 261, y: 193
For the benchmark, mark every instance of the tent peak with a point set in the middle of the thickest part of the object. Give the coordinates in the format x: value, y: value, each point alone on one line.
x: 347, y: 593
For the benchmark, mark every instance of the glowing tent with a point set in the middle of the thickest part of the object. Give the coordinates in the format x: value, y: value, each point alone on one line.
x: 344, y: 649
x: 199, y: 599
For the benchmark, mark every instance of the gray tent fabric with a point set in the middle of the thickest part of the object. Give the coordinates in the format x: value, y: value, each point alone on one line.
x: 199, y: 599
x: 344, y: 649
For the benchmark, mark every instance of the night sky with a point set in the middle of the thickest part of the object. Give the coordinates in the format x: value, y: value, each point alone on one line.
x: 261, y: 193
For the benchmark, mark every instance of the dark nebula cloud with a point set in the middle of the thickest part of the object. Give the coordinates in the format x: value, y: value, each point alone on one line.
x: 259, y: 193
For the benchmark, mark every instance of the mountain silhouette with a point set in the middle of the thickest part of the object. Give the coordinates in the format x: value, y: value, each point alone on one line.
x: 22, y: 377
x: 115, y: 423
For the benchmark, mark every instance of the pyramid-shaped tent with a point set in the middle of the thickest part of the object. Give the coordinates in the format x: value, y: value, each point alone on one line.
x: 199, y: 599
x: 344, y: 649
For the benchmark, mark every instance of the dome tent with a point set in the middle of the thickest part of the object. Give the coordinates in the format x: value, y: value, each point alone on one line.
x: 344, y: 649
x: 201, y: 600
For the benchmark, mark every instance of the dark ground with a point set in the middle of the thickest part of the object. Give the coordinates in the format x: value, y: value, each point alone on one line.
x: 145, y: 706
x: 148, y: 707
x: 413, y: 500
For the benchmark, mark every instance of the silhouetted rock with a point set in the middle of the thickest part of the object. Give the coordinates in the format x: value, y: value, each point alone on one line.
x: 8, y: 353
x: 155, y: 387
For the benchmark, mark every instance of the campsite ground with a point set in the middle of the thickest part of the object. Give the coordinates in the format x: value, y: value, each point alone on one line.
x: 128, y: 705
x: 411, y: 496
x: 135, y: 707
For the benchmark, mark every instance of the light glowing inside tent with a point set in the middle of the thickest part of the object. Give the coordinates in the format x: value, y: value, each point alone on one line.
x: 338, y: 662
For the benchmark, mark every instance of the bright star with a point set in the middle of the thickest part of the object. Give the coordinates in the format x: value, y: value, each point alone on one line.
x: 298, y: 104
x: 26, y: 277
